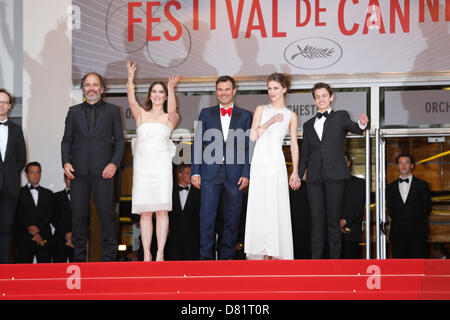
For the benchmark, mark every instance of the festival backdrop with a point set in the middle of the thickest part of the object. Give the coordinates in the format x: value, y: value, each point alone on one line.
x: 207, y: 38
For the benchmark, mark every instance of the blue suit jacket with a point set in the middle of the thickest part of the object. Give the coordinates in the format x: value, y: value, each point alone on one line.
x: 210, y: 150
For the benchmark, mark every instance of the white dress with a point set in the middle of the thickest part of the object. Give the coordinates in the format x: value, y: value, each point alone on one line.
x: 268, y: 228
x: 152, y: 168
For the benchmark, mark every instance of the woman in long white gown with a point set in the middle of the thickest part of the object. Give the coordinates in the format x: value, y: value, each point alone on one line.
x: 268, y: 231
x: 152, y: 159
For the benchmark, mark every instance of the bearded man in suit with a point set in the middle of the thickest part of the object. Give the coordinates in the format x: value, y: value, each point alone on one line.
x: 88, y: 161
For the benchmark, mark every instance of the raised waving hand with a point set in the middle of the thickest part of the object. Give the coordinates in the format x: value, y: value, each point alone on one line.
x: 134, y: 105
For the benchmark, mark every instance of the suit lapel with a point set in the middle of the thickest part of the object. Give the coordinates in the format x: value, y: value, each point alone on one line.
x: 189, y: 198
x: 82, y: 118
x: 99, y: 116
x: 236, y: 114
x: 398, y: 194
x: 9, y: 143
x: 310, y: 127
x: 40, y: 200
x: 216, y: 116
x: 177, y: 202
x: 412, y: 189
x: 327, y: 122
x: 31, y: 199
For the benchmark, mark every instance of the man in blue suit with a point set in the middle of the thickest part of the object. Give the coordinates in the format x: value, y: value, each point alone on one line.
x: 220, y: 164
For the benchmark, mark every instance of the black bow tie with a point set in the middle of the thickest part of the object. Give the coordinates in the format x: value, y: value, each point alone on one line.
x: 33, y: 187
x: 183, y: 188
x: 320, y: 115
x: 400, y: 180
x: 4, y: 123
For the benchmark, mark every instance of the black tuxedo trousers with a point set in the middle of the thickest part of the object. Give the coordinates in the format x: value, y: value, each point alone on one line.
x: 80, y: 192
x: 325, y: 200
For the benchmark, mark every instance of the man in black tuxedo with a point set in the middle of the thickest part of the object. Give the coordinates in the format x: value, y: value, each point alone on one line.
x: 62, y: 222
x: 89, y: 162
x: 352, y: 213
x: 34, y: 211
x: 408, y: 203
x: 322, y: 154
x: 12, y: 161
x: 184, y: 223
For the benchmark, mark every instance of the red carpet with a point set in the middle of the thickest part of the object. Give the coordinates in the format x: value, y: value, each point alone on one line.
x: 224, y: 280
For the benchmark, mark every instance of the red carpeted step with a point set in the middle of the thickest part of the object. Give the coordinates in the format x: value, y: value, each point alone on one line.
x: 296, y: 279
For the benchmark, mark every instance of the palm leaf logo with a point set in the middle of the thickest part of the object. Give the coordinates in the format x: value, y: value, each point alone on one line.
x: 313, y: 53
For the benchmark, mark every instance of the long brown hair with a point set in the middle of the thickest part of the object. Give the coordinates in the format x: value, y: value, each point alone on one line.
x: 148, y: 102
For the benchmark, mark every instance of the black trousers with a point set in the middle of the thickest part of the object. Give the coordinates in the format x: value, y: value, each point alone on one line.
x: 80, y: 192
x: 27, y: 249
x: 408, y: 249
x: 8, y: 204
x: 350, y: 249
x: 182, y: 249
x: 325, y: 201
x: 60, y: 251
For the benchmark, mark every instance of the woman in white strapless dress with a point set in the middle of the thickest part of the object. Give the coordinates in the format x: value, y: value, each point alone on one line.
x: 268, y: 231
x: 152, y: 159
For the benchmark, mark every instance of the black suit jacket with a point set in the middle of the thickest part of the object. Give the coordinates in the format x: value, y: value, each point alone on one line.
x: 330, y: 150
x: 90, y: 150
x: 62, y: 215
x: 185, y: 224
x: 15, y: 159
x: 29, y: 214
x: 409, y: 219
x: 353, y: 206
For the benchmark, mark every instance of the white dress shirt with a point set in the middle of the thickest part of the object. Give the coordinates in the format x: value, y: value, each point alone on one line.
x: 34, y: 194
x: 184, y: 195
x: 404, y: 187
x: 3, y: 139
x: 318, y: 124
x: 225, y: 121
x: 68, y: 194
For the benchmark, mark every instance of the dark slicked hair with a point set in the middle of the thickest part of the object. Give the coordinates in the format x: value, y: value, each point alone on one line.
x: 10, y: 96
x: 33, y: 164
x: 225, y: 79
x: 405, y: 155
x: 182, y: 166
x: 322, y: 85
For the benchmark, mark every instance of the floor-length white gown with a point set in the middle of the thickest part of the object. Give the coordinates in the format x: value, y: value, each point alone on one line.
x: 268, y: 228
